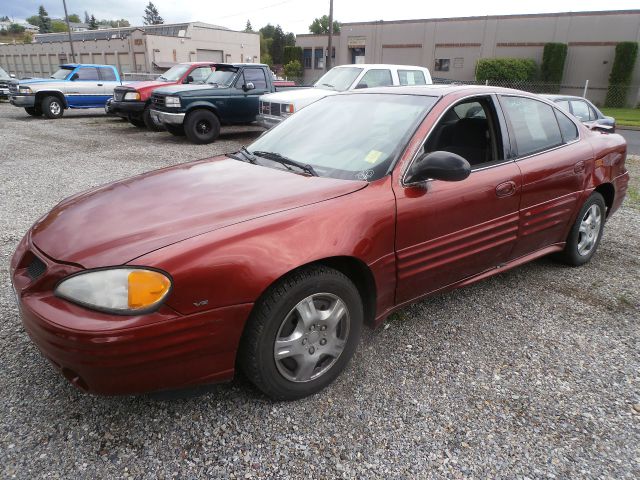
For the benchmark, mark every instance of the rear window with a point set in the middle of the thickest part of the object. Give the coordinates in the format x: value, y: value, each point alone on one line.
x: 567, y: 127
x: 411, y: 77
x: 376, y: 78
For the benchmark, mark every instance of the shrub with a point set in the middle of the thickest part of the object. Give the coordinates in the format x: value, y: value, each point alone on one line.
x: 293, y: 69
x: 506, y: 69
x: 267, y: 60
x: 621, y: 71
x: 553, y: 59
x: 292, y: 53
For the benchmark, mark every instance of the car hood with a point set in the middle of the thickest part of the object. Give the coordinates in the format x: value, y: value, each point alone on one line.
x: 298, y: 96
x: 139, y: 86
x: 116, y: 223
x: 186, y: 89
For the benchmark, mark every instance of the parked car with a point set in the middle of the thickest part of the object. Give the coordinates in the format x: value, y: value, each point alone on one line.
x: 275, y: 107
x: 272, y: 258
x: 229, y: 96
x: 133, y: 101
x: 5, y: 78
x: 583, y: 110
x: 72, y: 86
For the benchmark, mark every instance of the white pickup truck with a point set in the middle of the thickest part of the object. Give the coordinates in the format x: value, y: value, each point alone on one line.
x: 275, y: 107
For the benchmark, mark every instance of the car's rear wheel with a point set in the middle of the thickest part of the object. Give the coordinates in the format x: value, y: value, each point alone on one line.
x: 302, y: 333
x: 175, y: 130
x: 202, y: 126
x: 586, y: 232
x: 33, y: 111
x: 149, y: 122
x: 52, y: 107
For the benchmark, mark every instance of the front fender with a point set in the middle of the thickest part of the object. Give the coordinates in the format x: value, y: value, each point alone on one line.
x: 44, y: 92
x: 202, y: 104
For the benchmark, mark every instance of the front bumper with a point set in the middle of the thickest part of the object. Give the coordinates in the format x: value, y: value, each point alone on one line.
x: 167, y: 118
x: 22, y: 100
x: 268, y: 121
x: 4, y: 92
x: 116, y: 355
x: 133, y: 108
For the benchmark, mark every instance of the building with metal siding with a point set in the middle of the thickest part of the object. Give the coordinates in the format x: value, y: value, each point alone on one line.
x: 451, y: 47
x: 147, y: 49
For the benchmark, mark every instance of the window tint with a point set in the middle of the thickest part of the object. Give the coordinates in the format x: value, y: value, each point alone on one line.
x: 376, y: 78
x: 108, y: 74
x: 200, y: 74
x: 255, y: 76
x: 87, y: 73
x: 580, y: 110
x: 534, y: 124
x: 411, y: 77
x: 567, y: 127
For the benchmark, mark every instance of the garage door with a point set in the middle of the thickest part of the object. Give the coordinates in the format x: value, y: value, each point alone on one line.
x: 209, y: 55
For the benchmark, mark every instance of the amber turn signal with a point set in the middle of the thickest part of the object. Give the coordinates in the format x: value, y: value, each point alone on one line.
x: 146, y: 288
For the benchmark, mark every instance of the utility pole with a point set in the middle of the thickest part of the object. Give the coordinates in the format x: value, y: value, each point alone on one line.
x: 330, y: 49
x: 66, y: 17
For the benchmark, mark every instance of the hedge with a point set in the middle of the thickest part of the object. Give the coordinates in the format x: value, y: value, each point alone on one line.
x: 292, y: 53
x: 506, y: 69
x: 621, y: 72
x: 553, y: 58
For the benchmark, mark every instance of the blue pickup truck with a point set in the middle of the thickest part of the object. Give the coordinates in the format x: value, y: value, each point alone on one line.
x: 72, y: 86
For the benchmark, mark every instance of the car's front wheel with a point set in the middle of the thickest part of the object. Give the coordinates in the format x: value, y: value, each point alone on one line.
x: 202, y: 126
x: 586, y: 232
x: 149, y: 122
x: 52, y: 107
x: 302, y: 333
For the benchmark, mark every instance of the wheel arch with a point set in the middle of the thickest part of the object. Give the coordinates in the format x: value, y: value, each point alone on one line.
x: 608, y: 192
x: 51, y: 93
x: 202, y: 106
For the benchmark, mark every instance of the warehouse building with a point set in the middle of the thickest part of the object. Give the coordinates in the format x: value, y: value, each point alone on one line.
x: 148, y: 49
x: 451, y: 47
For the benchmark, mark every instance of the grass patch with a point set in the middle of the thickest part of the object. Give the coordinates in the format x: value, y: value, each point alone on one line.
x: 633, y: 191
x: 624, y: 116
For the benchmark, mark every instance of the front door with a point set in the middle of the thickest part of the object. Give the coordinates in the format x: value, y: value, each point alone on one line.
x: 86, y: 89
x: 448, y: 231
x: 245, y: 102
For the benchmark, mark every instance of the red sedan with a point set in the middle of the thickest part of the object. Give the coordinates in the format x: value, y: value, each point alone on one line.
x: 272, y: 258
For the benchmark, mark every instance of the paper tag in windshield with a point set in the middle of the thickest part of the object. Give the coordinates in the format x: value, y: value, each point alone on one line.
x: 373, y: 156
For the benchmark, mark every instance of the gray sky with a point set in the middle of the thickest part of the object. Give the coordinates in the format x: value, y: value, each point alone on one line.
x: 296, y: 15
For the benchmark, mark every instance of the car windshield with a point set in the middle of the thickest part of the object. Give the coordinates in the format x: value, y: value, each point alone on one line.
x: 174, y: 74
x: 4, y: 75
x: 223, y: 76
x: 62, y: 73
x: 356, y: 136
x: 339, y: 79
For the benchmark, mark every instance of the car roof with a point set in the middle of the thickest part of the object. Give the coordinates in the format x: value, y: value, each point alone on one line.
x: 74, y: 65
x: 560, y: 97
x: 380, y: 65
x: 439, y: 90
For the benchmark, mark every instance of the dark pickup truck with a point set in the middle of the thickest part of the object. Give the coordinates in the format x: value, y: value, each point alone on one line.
x: 230, y: 96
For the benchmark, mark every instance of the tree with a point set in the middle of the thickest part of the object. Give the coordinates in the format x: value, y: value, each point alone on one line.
x: 74, y: 18
x: 621, y: 74
x: 249, y: 28
x: 320, y: 26
x: 33, y: 20
x: 43, y: 21
x: 151, y: 15
x: 16, y: 29
x: 87, y: 18
x: 5, y: 19
x: 27, y: 37
x: 266, y: 59
x: 93, y: 23
x: 58, y: 26
x: 293, y: 69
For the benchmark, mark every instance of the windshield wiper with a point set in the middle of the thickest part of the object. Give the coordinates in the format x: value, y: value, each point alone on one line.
x: 245, y: 153
x: 329, y: 85
x: 287, y: 162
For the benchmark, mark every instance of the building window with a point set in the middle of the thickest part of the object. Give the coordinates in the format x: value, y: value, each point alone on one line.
x: 442, y: 65
x: 458, y: 62
x: 318, y: 58
x: 307, y: 58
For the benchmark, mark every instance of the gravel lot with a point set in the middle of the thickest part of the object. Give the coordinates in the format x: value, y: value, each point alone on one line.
x: 533, y: 373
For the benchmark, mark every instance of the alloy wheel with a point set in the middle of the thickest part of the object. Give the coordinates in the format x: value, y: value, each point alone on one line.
x: 589, y: 230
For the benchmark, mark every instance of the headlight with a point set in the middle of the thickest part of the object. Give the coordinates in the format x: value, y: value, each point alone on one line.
x: 287, y: 109
x: 172, y: 101
x: 127, y: 291
x: 24, y: 89
x: 132, y: 96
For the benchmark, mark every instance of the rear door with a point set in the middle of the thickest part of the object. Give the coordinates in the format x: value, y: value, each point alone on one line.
x: 108, y: 81
x: 554, y: 165
x: 85, y: 88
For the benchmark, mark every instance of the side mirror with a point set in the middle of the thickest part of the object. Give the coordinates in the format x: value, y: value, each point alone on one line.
x: 438, y: 165
x: 601, y: 127
x: 361, y: 85
x: 74, y: 77
x: 12, y: 75
x: 189, y: 79
x: 249, y: 86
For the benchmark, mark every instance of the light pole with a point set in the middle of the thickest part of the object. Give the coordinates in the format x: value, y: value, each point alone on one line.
x: 66, y: 17
x: 330, y: 35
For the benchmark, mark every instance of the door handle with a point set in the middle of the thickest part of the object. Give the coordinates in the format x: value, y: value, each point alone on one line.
x: 579, y: 167
x: 506, y: 189
x: 100, y: 84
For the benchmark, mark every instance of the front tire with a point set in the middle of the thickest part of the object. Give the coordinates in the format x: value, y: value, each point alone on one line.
x: 585, y: 235
x: 302, y: 333
x: 202, y: 126
x: 33, y: 111
x: 52, y: 107
x: 148, y: 120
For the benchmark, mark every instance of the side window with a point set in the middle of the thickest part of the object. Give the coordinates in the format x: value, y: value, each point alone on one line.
x: 581, y: 110
x: 108, y: 75
x: 200, y: 74
x: 567, y: 127
x: 411, y: 77
x: 87, y: 74
x: 306, y: 57
x: 564, y: 105
x: 376, y: 78
x: 255, y: 76
x: 534, y: 124
x: 469, y: 129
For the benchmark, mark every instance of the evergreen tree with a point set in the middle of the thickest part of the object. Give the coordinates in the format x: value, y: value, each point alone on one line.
x: 151, y: 15
x: 93, y: 23
x: 44, y: 22
x: 248, y: 28
x: 87, y: 18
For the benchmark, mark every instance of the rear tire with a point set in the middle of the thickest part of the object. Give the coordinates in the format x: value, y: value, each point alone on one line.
x: 33, y: 111
x: 148, y: 120
x: 175, y: 130
x: 202, y: 126
x: 52, y: 107
x: 302, y: 333
x: 585, y: 235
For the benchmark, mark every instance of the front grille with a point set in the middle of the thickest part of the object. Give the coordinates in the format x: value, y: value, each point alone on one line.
x: 36, y: 268
x: 268, y: 108
x: 118, y: 95
x: 157, y: 100
x: 13, y: 88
